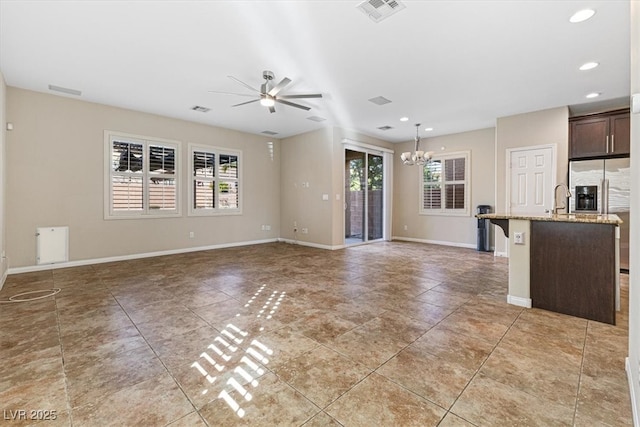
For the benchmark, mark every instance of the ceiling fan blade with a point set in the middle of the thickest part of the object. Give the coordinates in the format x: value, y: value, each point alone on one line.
x: 244, y: 103
x: 272, y: 109
x: 232, y: 93
x: 244, y: 84
x: 277, y: 88
x: 291, y: 104
x: 308, y: 95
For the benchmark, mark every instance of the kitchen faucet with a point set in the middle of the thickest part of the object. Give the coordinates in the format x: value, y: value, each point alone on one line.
x: 567, y: 194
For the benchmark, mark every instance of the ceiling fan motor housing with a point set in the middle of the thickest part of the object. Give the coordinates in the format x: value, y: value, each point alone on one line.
x: 268, y: 75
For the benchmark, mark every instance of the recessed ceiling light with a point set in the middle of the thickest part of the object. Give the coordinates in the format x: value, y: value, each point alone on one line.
x: 428, y: 129
x: 588, y: 66
x: 582, y: 15
x: 404, y: 119
x: 593, y: 95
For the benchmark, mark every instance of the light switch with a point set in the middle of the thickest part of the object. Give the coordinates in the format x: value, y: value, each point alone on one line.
x: 325, y: 197
x: 518, y: 237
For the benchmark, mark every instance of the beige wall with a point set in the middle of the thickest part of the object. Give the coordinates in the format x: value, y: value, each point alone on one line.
x: 316, y: 158
x: 456, y: 230
x: 546, y: 127
x: 3, y: 229
x: 306, y: 158
x: 633, y: 363
x: 55, y: 164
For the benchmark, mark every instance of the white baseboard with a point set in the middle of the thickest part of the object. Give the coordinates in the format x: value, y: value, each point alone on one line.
x: 435, y: 242
x: 519, y: 301
x: 632, y: 392
x: 310, y: 244
x: 31, y: 268
x: 501, y: 254
x: 4, y: 277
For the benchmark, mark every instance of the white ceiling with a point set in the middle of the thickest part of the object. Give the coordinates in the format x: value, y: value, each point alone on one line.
x: 451, y: 65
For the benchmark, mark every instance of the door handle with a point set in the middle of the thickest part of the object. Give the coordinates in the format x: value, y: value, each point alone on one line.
x: 612, y: 146
x: 607, y: 144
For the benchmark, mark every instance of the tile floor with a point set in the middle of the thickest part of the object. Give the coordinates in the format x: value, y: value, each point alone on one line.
x: 388, y: 334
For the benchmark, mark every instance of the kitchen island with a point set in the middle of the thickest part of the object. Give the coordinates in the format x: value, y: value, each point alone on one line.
x: 567, y: 263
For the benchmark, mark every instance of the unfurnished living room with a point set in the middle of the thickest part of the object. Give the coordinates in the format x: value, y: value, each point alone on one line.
x: 319, y: 213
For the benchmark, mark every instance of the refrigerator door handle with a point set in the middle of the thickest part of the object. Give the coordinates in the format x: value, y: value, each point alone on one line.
x: 604, y: 185
x: 607, y: 144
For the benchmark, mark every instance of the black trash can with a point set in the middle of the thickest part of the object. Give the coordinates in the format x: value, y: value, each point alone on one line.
x: 483, y: 229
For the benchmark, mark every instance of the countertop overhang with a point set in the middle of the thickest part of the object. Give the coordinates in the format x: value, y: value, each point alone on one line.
x: 502, y: 220
x: 584, y: 218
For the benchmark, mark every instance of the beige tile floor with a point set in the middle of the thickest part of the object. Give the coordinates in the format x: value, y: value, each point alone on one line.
x: 388, y: 334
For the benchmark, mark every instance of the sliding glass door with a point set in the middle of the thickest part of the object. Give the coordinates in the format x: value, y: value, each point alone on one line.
x: 364, y: 196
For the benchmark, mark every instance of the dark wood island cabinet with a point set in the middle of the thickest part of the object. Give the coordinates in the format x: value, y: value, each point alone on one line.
x: 573, y: 269
x: 566, y: 263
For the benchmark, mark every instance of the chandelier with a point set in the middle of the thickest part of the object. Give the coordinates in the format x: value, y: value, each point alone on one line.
x: 418, y: 157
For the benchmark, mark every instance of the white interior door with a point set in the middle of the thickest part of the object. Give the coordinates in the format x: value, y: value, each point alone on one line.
x: 532, y: 180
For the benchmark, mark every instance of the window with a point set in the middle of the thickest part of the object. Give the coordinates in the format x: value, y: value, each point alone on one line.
x: 142, y: 178
x: 445, y: 188
x: 215, y: 181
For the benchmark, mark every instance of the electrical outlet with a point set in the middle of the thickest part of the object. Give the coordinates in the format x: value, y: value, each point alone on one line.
x: 518, y: 237
x: 267, y: 227
x: 191, y: 234
x: 406, y: 228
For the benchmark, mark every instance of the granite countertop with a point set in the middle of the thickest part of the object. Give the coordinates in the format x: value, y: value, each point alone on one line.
x: 586, y: 218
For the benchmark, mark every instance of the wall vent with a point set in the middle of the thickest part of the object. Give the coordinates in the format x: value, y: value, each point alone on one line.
x: 385, y: 127
x: 268, y: 132
x: 316, y: 118
x: 378, y: 10
x: 65, y: 90
x: 379, y: 100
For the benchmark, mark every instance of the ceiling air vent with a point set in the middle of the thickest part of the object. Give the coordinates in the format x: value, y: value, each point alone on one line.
x: 65, y: 90
x: 379, y: 100
x: 316, y: 118
x: 268, y: 132
x: 200, y: 109
x: 379, y: 10
x: 385, y: 127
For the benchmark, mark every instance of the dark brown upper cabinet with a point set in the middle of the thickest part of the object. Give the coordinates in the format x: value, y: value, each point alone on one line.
x: 600, y: 135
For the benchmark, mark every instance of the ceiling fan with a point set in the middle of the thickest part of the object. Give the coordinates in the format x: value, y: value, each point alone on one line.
x: 269, y: 94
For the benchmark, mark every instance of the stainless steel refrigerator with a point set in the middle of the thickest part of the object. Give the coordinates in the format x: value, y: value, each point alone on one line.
x: 612, y: 177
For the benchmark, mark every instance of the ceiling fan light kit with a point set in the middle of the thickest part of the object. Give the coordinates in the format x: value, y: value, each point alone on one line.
x: 268, y: 94
x: 418, y: 157
x: 267, y: 101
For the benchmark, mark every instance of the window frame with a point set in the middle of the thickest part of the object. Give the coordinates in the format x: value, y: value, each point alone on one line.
x: 146, y: 175
x: 217, y: 152
x: 443, y: 210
